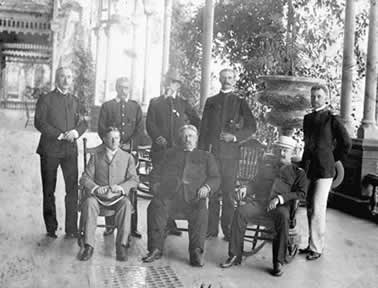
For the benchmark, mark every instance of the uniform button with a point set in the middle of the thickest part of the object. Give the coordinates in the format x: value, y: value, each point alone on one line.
x: 123, y: 123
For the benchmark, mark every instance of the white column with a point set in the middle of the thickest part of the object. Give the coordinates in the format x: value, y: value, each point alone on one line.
x: 368, y: 128
x: 208, y: 22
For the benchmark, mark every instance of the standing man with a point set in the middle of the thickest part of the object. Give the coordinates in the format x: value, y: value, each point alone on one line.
x: 58, y: 118
x: 226, y: 121
x: 127, y: 116
x: 326, y: 142
x: 165, y: 115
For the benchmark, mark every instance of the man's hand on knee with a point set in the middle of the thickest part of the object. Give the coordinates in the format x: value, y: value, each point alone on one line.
x: 203, y: 192
x: 273, y: 204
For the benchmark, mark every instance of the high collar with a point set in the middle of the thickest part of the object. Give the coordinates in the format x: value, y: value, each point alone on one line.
x: 118, y: 99
x: 173, y: 96
x: 61, y: 92
x: 227, y: 91
x: 320, y: 108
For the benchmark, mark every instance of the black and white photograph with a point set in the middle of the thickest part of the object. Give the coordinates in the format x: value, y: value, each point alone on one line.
x: 188, y: 143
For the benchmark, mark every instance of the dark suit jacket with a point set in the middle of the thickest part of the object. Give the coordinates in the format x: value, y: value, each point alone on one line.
x: 162, y: 120
x: 55, y: 114
x: 326, y: 141
x: 273, y: 179
x: 130, y: 125
x: 175, y: 173
x: 235, y: 118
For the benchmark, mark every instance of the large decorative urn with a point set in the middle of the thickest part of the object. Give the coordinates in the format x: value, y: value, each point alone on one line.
x: 289, y: 100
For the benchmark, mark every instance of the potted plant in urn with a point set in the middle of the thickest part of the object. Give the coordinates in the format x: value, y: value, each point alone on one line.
x: 288, y: 95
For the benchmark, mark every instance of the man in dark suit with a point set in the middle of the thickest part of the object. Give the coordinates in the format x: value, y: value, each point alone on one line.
x: 226, y: 121
x: 58, y: 118
x: 107, y: 179
x: 127, y: 116
x: 165, y: 115
x: 183, y: 181
x: 277, y: 183
x: 326, y: 142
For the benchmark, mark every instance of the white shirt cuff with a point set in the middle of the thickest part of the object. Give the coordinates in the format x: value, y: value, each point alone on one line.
x: 76, y: 134
x: 94, y: 189
x: 60, y: 137
x: 280, y: 199
x: 235, y: 139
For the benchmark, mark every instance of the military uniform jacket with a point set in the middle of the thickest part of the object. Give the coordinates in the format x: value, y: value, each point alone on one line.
x: 186, y: 172
x: 55, y: 114
x: 274, y: 179
x: 228, y: 113
x: 166, y: 116
x: 126, y: 116
x: 326, y: 141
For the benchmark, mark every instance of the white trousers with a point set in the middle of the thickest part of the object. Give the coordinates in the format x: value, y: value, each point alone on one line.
x: 316, y: 212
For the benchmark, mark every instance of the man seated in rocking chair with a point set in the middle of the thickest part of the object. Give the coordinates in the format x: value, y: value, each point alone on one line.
x: 276, y: 184
x: 107, y: 179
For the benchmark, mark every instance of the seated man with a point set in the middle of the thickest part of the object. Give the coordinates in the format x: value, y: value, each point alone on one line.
x: 183, y: 180
x: 107, y: 179
x: 276, y: 184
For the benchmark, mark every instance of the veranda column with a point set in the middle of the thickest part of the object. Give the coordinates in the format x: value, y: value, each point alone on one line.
x: 54, y: 39
x: 348, y: 66
x: 98, y: 74
x: 208, y: 20
x: 147, y: 48
x: 166, y: 36
x: 368, y: 128
x: 133, y: 72
x: 108, y: 38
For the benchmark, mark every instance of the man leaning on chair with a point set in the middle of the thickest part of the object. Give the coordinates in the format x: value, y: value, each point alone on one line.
x: 107, y: 180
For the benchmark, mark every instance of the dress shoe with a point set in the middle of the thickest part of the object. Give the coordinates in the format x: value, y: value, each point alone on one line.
x: 51, y: 234
x: 71, y: 235
x: 87, y: 253
x: 152, y: 256
x: 231, y: 261
x: 174, y: 231
x: 80, y: 240
x: 305, y: 250
x: 121, y: 253
x: 312, y: 255
x: 109, y: 231
x: 196, y: 258
x: 277, y: 269
x: 136, y: 234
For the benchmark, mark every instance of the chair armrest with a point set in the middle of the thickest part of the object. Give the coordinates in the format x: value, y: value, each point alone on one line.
x: 294, y: 204
x: 133, y: 197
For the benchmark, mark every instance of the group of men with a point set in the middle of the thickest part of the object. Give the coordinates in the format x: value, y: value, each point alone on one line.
x: 195, y: 163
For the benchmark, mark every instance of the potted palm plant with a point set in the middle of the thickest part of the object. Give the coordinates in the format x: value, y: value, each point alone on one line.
x: 288, y: 95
